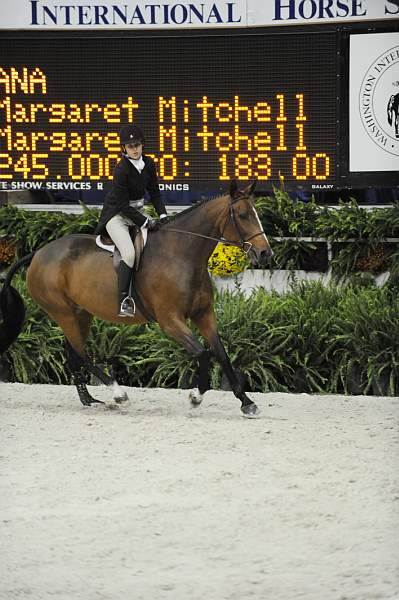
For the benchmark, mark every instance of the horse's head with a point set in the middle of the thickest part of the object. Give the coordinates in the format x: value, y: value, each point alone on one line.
x: 243, y: 225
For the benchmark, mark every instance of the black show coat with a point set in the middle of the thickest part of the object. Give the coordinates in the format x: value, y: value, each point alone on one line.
x: 128, y: 185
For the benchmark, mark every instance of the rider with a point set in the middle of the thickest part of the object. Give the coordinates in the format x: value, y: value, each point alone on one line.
x: 134, y: 174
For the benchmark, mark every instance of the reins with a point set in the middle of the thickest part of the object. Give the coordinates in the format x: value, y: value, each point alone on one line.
x: 222, y: 240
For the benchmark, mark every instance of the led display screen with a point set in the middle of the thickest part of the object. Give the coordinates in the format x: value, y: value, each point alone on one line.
x: 250, y: 106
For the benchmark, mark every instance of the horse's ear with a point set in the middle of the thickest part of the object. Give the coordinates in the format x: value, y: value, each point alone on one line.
x: 251, y: 188
x: 233, y: 188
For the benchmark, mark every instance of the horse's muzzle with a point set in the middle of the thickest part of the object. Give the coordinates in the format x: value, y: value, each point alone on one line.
x: 264, y: 257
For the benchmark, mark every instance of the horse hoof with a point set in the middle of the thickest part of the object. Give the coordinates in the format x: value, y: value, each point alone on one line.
x: 250, y: 411
x: 195, y: 397
x: 122, y: 399
x: 119, y: 396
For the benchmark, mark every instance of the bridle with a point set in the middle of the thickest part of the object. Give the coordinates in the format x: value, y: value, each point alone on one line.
x: 243, y: 244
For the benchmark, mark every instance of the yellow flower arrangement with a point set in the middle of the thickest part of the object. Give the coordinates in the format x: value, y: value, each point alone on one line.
x: 227, y: 260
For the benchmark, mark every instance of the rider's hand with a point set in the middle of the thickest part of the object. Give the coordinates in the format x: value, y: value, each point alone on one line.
x: 164, y: 219
x: 153, y: 224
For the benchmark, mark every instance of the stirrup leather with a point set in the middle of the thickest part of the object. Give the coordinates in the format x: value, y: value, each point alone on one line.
x: 128, y: 307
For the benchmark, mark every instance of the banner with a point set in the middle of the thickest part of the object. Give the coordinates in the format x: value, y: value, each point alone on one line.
x: 141, y: 14
x: 374, y: 102
x: 311, y: 12
x: 120, y: 14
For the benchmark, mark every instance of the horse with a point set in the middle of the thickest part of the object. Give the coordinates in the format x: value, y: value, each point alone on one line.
x: 72, y: 280
x: 393, y: 112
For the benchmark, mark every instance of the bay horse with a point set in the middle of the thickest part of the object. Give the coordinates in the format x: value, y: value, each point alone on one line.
x: 72, y: 280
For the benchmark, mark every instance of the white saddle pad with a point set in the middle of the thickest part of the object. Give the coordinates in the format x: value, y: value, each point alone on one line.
x: 111, y: 247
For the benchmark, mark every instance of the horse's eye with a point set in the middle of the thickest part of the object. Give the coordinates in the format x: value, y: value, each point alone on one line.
x: 244, y: 216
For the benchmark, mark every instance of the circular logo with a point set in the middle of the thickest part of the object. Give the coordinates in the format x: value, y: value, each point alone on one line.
x: 379, y: 101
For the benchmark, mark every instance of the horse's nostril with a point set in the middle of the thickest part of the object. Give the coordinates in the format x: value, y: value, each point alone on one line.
x: 266, y: 255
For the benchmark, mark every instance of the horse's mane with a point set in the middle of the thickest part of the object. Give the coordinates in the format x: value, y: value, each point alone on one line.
x: 190, y: 209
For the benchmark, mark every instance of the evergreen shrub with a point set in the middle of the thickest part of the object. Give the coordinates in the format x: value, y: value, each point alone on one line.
x: 334, y: 339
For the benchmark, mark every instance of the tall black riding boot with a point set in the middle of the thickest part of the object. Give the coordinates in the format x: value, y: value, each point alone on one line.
x: 127, y: 306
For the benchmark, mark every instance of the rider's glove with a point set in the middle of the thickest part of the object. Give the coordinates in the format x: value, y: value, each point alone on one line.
x: 153, y: 224
x: 164, y: 219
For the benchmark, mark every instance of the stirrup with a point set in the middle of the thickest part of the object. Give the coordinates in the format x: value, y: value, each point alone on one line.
x: 127, y: 308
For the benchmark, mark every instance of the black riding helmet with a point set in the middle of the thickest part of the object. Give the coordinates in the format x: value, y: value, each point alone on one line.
x: 131, y: 133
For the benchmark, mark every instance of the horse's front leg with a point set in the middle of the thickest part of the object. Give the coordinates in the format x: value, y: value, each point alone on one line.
x: 207, y: 326
x: 196, y: 394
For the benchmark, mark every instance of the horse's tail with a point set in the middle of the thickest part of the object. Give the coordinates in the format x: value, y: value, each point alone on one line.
x: 12, y: 307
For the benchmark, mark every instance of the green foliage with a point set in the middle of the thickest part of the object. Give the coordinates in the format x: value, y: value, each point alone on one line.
x: 31, y: 230
x: 255, y: 338
x: 384, y: 222
x: 291, y: 254
x: 310, y: 310
x: 312, y: 339
x: 370, y: 256
x: 39, y: 355
x: 365, y: 340
x: 281, y: 216
x: 348, y: 221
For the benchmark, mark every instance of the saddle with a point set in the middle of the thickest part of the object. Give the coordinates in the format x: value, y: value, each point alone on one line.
x: 104, y: 241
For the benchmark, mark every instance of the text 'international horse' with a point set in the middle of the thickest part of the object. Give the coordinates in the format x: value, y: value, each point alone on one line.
x: 73, y: 280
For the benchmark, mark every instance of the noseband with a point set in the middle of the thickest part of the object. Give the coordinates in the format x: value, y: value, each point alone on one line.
x: 243, y: 244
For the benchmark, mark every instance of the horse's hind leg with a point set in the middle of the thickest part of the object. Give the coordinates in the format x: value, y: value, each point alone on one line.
x: 75, y: 324
x: 79, y: 374
x: 77, y: 331
x: 179, y: 331
x: 76, y: 328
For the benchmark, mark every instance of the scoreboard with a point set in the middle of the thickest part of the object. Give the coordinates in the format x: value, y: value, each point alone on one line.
x: 251, y: 106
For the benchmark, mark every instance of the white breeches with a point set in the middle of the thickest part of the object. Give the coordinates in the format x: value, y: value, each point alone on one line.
x: 118, y: 230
